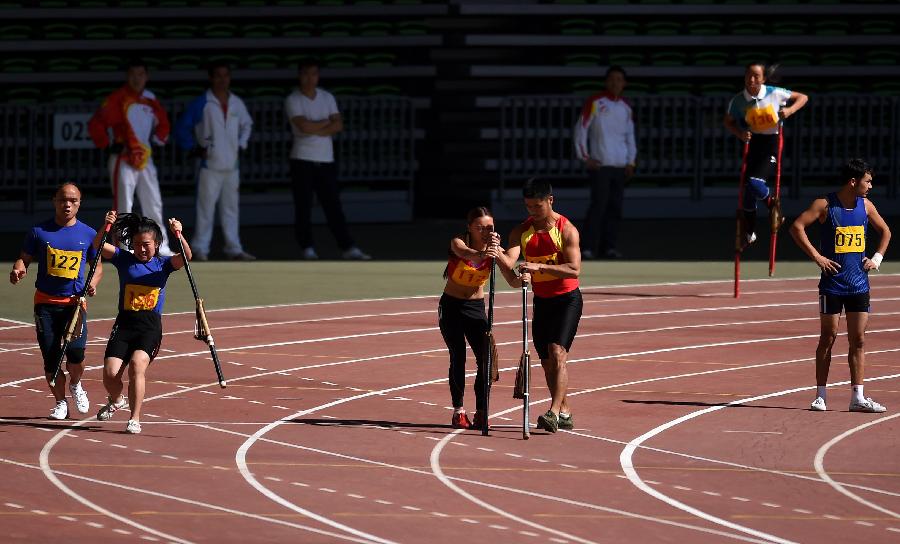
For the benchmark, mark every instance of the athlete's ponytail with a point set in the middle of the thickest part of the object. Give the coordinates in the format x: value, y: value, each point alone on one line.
x: 128, y: 225
x: 770, y: 71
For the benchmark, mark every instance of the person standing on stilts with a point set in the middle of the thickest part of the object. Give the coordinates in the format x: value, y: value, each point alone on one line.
x: 754, y: 116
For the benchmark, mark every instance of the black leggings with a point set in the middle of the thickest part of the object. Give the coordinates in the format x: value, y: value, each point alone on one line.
x: 462, y: 320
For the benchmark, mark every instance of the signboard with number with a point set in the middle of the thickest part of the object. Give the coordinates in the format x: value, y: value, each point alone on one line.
x: 70, y: 131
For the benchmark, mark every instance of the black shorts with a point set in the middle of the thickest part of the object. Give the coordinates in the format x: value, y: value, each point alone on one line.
x: 762, y: 156
x: 555, y: 321
x: 833, y: 304
x: 135, y: 331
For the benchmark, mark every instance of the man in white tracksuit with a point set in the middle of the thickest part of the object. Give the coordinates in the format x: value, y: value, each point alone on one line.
x: 216, y: 127
x: 604, y: 140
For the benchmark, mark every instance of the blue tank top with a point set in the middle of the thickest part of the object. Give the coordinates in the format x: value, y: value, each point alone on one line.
x: 843, y: 240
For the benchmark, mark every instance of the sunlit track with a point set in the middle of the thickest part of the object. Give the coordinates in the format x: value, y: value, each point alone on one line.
x: 304, y: 366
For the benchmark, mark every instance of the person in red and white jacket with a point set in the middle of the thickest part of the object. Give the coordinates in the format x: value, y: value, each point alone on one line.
x: 137, y: 121
x: 604, y: 141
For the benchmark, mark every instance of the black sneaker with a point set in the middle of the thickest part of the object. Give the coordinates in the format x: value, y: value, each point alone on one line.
x: 549, y: 422
x: 566, y: 422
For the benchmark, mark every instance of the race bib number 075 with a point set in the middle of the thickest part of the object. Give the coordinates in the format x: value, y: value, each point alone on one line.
x: 850, y: 239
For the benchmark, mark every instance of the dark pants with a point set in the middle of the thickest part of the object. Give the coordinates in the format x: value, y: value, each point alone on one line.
x: 762, y: 160
x: 462, y: 320
x: 50, y: 322
x: 601, y: 225
x: 307, y: 176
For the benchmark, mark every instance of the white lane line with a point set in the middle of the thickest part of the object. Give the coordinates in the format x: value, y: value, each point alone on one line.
x: 94, y: 524
x: 13, y: 505
x: 682, y: 488
x: 771, y: 505
x: 440, y: 514
x: 819, y: 464
x: 327, y: 490
x: 355, y: 496
x: 627, y: 454
x: 382, y: 501
x: 754, y: 432
x: 802, y: 511
x: 67, y: 518
x: 893, y: 529
x: 192, y: 502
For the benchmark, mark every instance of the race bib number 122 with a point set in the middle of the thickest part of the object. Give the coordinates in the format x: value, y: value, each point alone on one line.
x: 62, y: 263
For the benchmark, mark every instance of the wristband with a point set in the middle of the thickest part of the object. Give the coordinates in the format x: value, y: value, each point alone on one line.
x: 877, y: 258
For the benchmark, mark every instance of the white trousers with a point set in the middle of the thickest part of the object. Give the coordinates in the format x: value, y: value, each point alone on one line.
x: 220, y: 187
x: 126, y: 181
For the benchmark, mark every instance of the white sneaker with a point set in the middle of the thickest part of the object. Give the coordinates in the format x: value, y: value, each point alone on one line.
x: 60, y: 411
x: 750, y: 239
x: 867, y: 405
x: 818, y: 405
x: 81, y: 399
x: 110, y: 408
x: 309, y: 254
x: 133, y: 427
x: 356, y: 254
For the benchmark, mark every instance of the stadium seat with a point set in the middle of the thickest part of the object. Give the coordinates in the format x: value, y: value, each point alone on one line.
x: 789, y: 27
x: 336, y: 29
x: 795, y: 58
x: 340, y: 60
x: 634, y: 89
x: 717, y: 89
x: 577, y: 27
x: 744, y: 58
x: 710, y: 58
x: 705, y: 28
x: 188, y: 92
x: 15, y: 32
x: 22, y: 95
x: 346, y: 90
x: 837, y: 59
x: 100, y: 32
x: 886, y: 88
x: 258, y: 30
x: 99, y: 94
x: 231, y: 60
x: 219, y: 30
x: 104, y: 63
x: 60, y: 31
x: 582, y: 59
x: 180, y: 31
x: 878, y: 26
x: 619, y: 28
x: 668, y: 58
x: 411, y: 28
x: 297, y: 29
x: 662, y: 28
x: 384, y: 90
x: 264, y: 61
x: 69, y: 96
x: 63, y: 64
x: 674, y: 89
x: 832, y: 27
x: 375, y: 28
x: 882, y: 56
x: 134, y: 3
x: 843, y: 88
x: 268, y: 92
x: 18, y: 65
x: 185, y: 62
x: 379, y: 59
x: 626, y: 59
x: 139, y: 32
x: 587, y: 87
x: 746, y: 27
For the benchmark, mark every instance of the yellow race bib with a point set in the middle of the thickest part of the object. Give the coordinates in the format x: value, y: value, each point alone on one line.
x: 140, y: 297
x: 470, y: 277
x: 543, y: 259
x: 62, y: 263
x: 850, y: 239
x: 761, y: 119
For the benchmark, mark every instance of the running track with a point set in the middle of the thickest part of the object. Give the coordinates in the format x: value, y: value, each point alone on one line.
x: 690, y: 409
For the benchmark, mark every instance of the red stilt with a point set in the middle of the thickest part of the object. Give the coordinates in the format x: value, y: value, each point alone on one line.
x: 738, y: 238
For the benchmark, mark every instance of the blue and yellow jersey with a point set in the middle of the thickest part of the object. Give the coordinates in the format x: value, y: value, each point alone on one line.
x: 63, y: 256
x: 759, y: 114
x: 546, y: 247
x: 843, y: 240
x: 142, y: 286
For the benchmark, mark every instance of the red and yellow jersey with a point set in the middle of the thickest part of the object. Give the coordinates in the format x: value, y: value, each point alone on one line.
x: 135, y: 120
x: 546, y: 247
x: 467, y: 273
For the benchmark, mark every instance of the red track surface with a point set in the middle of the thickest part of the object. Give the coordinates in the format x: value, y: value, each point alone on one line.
x: 334, y: 428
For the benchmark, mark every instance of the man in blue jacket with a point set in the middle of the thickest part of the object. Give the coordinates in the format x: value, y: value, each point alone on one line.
x: 216, y: 127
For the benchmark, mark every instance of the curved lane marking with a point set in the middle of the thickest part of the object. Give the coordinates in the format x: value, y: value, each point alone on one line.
x: 819, y: 464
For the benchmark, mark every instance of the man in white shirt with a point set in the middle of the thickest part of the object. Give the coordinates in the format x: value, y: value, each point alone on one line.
x: 216, y: 127
x: 315, y: 119
x: 604, y: 140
